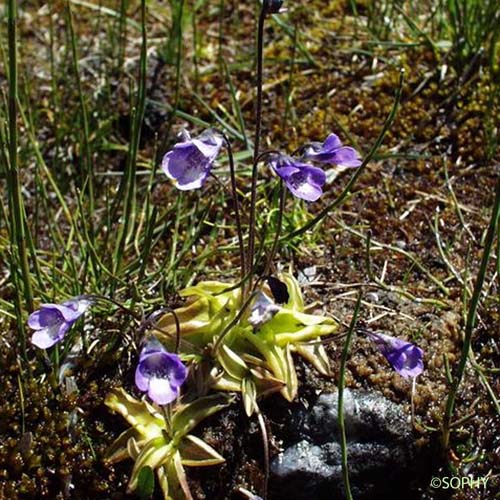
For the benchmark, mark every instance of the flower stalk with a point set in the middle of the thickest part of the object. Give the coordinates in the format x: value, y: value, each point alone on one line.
x: 256, y: 149
x: 131, y: 165
x: 89, y: 180
x: 236, y: 210
x: 277, y: 235
x: 341, y: 384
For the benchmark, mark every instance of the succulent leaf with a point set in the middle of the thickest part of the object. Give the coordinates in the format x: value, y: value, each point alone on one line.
x: 316, y: 354
x: 249, y: 393
x: 232, y: 363
x: 195, y: 452
x: 177, y: 479
x: 139, y: 414
x: 210, y: 307
x: 162, y: 475
x: 225, y: 382
x: 190, y: 415
x: 133, y: 449
x: 145, y: 483
x: 295, y: 302
x: 118, y: 450
x: 265, y: 382
x: 149, y: 444
x: 153, y: 454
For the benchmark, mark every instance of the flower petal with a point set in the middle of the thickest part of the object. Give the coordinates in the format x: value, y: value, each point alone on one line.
x: 161, y: 392
x: 307, y: 184
x: 346, y: 157
x: 262, y: 310
x: 47, y: 337
x: 332, y: 151
x: 407, y: 361
x: 178, y: 371
x: 69, y: 314
x: 46, y: 316
x: 209, y: 143
x: 303, y: 180
x: 141, y: 380
x: 332, y: 142
x: 79, y: 304
x: 159, y: 372
x: 186, y: 166
x: 405, y: 357
x: 189, y: 163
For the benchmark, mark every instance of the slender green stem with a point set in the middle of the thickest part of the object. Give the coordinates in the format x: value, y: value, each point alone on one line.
x: 17, y: 216
x: 122, y: 33
x: 471, y: 318
x: 174, y: 254
x: 147, y: 244
x: 258, y: 126
x: 151, y: 323
x: 131, y: 166
x: 103, y: 298
x: 289, y: 87
x: 178, y: 56
x: 87, y: 246
x: 277, y: 234
x: 236, y: 105
x: 343, y: 361
x: 196, y: 66
x: 89, y: 181
x: 220, y: 56
x: 236, y: 204
x: 455, y: 201
x: 176, y: 31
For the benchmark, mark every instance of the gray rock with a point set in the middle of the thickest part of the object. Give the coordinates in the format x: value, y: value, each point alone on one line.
x: 381, y: 451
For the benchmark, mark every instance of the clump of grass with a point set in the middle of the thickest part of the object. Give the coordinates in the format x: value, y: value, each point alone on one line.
x: 18, y: 228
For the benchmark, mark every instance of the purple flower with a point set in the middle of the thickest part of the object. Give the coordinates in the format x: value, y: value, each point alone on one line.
x: 332, y: 151
x: 159, y: 372
x: 263, y: 309
x: 52, y: 321
x: 405, y: 357
x: 189, y: 163
x: 303, y: 180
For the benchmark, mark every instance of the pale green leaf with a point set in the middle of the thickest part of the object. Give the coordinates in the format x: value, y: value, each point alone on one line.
x: 232, y: 363
x: 118, y: 450
x: 196, y: 453
x: 316, y: 354
x: 249, y: 392
x: 187, y: 417
x: 139, y: 414
x: 145, y: 483
x: 153, y: 454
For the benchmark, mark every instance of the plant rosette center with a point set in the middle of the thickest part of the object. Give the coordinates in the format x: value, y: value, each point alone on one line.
x: 261, y: 338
